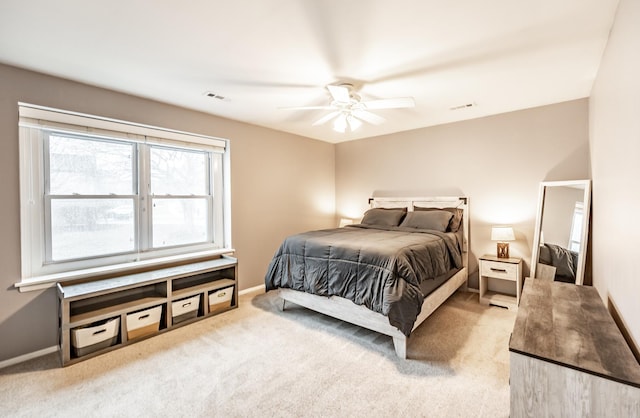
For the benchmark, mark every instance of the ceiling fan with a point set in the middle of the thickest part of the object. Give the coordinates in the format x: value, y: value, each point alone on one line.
x: 348, y: 110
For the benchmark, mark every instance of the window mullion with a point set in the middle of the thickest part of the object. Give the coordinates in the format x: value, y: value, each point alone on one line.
x: 48, y: 250
x: 135, y: 187
x: 144, y: 191
x: 48, y: 245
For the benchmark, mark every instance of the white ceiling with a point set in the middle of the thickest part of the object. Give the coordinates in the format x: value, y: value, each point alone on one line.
x: 502, y: 55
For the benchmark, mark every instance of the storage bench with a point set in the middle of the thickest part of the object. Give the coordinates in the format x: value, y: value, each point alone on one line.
x: 101, y: 315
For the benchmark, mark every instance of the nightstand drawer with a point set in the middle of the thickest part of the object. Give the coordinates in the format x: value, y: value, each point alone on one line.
x: 499, y: 270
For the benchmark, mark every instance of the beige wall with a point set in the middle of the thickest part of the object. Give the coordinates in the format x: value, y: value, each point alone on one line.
x: 497, y: 161
x: 614, y: 115
x: 280, y: 183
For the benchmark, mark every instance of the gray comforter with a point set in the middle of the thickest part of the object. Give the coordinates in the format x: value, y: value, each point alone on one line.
x: 380, y: 268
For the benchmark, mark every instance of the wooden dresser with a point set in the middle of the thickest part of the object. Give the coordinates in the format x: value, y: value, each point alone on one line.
x: 567, y: 356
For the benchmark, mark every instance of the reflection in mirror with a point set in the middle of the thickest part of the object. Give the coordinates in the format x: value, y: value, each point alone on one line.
x: 562, y: 224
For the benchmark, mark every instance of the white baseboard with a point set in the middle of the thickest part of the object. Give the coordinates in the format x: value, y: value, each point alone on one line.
x: 259, y: 289
x: 28, y: 356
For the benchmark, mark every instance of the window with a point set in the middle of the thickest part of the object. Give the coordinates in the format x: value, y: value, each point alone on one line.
x: 97, y: 192
x: 180, y: 197
x: 90, y: 197
x: 576, y: 227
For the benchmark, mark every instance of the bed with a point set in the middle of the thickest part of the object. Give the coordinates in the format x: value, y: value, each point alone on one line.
x: 386, y: 274
x: 563, y: 261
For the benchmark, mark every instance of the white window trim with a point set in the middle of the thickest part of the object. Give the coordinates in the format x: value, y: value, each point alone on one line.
x: 81, y: 122
x: 578, y: 209
x: 32, y: 202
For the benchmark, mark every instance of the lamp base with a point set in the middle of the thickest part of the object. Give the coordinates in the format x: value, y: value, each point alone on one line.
x: 503, y: 250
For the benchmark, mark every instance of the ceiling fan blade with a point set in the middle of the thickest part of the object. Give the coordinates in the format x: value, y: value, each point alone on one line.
x: 306, y: 107
x: 368, y: 117
x: 339, y: 93
x: 397, y: 103
x: 326, y: 118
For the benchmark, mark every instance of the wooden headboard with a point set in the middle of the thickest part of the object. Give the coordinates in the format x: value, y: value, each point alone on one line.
x: 431, y: 202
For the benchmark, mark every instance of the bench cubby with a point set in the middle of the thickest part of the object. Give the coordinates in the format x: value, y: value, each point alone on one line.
x: 88, y: 304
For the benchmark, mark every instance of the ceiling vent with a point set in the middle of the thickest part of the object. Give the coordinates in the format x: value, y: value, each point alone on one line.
x: 215, y: 96
x: 464, y: 106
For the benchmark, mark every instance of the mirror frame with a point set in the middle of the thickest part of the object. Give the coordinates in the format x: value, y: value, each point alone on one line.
x: 582, y: 258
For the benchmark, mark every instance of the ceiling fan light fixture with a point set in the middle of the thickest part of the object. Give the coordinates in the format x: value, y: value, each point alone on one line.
x: 354, y: 123
x: 213, y: 95
x: 340, y: 124
x: 349, y: 111
x: 346, y: 120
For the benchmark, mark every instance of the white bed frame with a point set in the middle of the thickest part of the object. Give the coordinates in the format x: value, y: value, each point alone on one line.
x: 348, y: 311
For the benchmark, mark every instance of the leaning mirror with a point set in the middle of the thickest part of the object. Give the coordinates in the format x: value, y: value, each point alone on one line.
x: 562, y: 227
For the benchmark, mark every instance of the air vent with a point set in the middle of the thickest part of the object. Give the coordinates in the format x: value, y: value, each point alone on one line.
x: 214, y: 95
x: 464, y: 106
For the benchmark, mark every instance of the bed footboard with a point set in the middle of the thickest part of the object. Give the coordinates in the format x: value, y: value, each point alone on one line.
x: 347, y: 311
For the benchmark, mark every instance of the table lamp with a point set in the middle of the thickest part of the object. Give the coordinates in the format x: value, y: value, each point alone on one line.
x: 502, y: 234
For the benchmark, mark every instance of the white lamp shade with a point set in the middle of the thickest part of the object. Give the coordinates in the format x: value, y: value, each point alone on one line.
x: 502, y: 233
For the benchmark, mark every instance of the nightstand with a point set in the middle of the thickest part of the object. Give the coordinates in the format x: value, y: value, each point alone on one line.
x: 499, y: 271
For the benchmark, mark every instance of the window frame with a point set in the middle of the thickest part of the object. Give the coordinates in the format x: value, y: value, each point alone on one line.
x: 578, y: 215
x: 150, y: 196
x: 36, y: 122
x: 49, y: 197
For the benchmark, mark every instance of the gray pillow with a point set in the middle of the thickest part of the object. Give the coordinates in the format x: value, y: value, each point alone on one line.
x: 437, y: 220
x: 384, y: 216
x: 456, y: 219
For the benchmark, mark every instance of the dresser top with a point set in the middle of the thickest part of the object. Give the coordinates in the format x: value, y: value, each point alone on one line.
x: 569, y: 325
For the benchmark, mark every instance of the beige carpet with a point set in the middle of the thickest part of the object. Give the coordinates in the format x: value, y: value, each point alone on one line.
x: 259, y: 361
